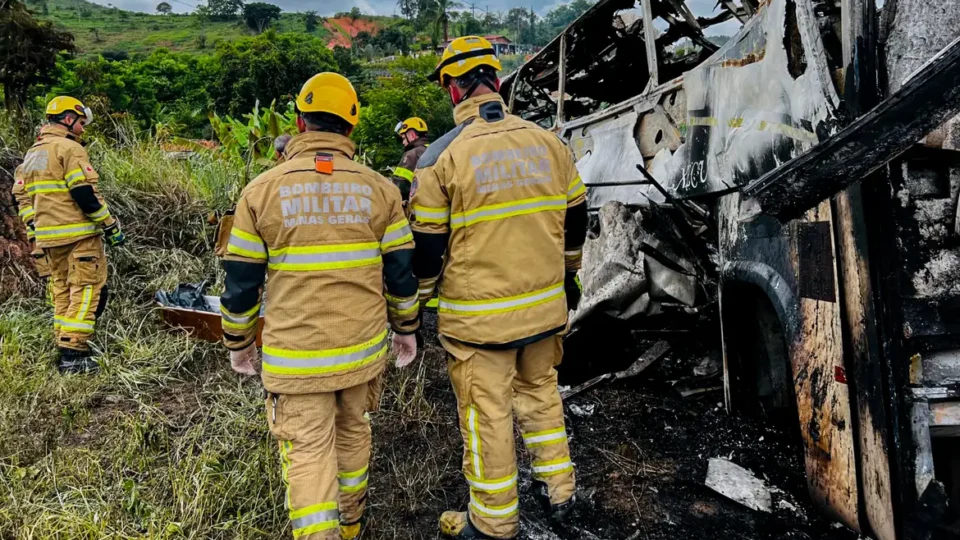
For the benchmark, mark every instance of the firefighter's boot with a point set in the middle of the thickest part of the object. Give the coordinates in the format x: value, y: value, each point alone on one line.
x: 457, y: 525
x: 557, y: 512
x: 351, y: 531
x: 72, y: 361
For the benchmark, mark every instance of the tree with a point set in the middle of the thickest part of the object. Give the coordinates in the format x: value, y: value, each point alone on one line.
x: 443, y: 13
x: 259, y: 15
x: 28, y: 53
x: 203, y: 14
x: 355, y: 13
x: 224, y: 9
x: 310, y: 21
x: 408, y: 8
x: 266, y: 67
x: 164, y: 8
x: 96, y: 35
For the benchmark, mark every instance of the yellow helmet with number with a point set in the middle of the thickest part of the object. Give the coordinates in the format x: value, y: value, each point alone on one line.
x: 462, y: 56
x: 415, y: 123
x: 330, y: 93
x: 62, y: 104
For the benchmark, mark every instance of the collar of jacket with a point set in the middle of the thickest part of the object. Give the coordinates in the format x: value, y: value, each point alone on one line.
x: 470, y: 108
x: 422, y: 141
x: 319, y: 141
x: 55, y: 130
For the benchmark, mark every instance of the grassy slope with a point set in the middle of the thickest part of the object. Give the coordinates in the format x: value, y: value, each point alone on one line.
x: 141, y: 33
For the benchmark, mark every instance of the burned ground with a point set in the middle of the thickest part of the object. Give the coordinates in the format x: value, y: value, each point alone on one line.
x: 641, y: 453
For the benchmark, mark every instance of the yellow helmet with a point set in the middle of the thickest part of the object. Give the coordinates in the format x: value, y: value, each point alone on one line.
x: 463, y: 55
x: 62, y: 104
x: 330, y: 93
x: 415, y: 123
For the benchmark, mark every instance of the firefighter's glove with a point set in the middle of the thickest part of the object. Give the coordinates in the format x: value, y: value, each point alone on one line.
x: 574, y: 290
x: 246, y: 361
x: 405, y: 348
x: 114, y: 235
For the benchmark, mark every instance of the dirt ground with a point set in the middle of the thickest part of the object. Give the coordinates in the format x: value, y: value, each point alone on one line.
x: 641, y: 453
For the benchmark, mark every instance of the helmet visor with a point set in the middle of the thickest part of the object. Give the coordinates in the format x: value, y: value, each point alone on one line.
x: 87, y: 116
x: 398, y: 128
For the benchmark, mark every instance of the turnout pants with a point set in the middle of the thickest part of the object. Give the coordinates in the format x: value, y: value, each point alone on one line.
x: 325, y: 453
x: 78, y: 276
x: 491, y: 386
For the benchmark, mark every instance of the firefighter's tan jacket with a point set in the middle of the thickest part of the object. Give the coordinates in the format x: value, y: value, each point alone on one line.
x: 331, y: 235
x: 494, y: 193
x: 403, y: 173
x: 45, y: 187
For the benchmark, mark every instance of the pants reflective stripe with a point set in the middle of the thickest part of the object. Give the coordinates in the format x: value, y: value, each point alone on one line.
x: 501, y: 305
x: 473, y: 427
x: 84, y: 327
x: 318, y: 517
x: 575, y: 189
x: 550, y: 468
x: 404, y: 173
x: 293, y: 362
x: 353, y: 481
x: 492, y: 486
x: 327, y: 257
x: 396, y: 235
x: 426, y: 214
x: 544, y: 438
x: 505, y: 510
x: 495, y: 212
x: 246, y: 244
x: 66, y: 231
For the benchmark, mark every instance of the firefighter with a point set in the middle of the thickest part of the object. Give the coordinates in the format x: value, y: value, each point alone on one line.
x: 413, y: 135
x: 501, y: 200
x: 331, y: 235
x: 56, y: 191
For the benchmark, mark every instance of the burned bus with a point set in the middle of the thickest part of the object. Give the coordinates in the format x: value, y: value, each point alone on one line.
x: 819, y: 139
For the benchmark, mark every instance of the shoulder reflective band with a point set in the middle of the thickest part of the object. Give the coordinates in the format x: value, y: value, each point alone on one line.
x: 495, y: 212
x: 246, y: 245
x: 291, y: 362
x: 427, y: 214
x: 66, y: 231
x: 47, y: 186
x: 74, y: 176
x: 544, y: 438
x: 324, y: 257
x: 314, y: 518
x: 502, y: 305
x: 500, y: 511
x: 351, y: 482
x: 404, y: 173
x: 498, y: 485
x: 575, y: 189
x: 552, y: 467
x: 243, y: 321
x: 396, y: 235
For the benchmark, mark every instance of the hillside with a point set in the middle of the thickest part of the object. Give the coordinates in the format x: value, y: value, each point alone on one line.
x: 101, y: 29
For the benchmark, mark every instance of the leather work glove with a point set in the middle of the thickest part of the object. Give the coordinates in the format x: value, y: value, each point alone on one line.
x: 246, y: 361
x: 114, y: 235
x: 405, y: 348
x: 574, y: 290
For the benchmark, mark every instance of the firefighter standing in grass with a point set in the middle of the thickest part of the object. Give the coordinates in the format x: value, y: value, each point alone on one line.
x: 331, y: 235
x: 56, y: 192
x: 501, y: 199
x: 413, y: 135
